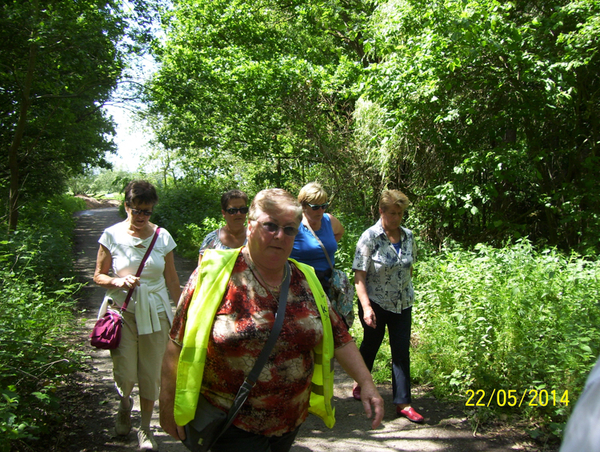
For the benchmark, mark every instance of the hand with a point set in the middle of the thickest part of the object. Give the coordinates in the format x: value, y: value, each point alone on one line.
x: 369, y: 317
x: 372, y: 401
x: 127, y: 282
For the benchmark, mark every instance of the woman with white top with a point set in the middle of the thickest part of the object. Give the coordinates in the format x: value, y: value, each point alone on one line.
x: 148, y: 318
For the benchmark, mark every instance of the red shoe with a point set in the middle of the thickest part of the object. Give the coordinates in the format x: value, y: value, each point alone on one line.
x: 356, y: 393
x: 410, y: 414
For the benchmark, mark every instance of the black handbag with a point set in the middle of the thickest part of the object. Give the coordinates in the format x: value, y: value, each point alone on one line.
x: 210, y: 422
x: 206, y: 427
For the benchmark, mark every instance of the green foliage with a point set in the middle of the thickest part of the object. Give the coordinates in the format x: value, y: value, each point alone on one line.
x: 485, y: 112
x: 353, y: 228
x: 36, y: 314
x: 40, y: 250
x: 60, y: 62
x: 103, y: 183
x: 189, y: 214
x: 274, y: 94
x: 510, y: 318
x: 34, y: 357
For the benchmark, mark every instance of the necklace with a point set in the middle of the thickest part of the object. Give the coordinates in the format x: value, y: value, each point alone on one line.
x: 260, y: 278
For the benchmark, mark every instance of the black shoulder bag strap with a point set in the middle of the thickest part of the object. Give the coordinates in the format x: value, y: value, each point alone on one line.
x: 252, y: 377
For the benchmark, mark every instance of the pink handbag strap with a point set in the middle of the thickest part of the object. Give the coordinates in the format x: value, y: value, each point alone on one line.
x: 140, y: 269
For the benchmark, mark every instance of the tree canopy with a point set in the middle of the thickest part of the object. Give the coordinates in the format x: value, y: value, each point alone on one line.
x: 485, y: 113
x: 60, y: 61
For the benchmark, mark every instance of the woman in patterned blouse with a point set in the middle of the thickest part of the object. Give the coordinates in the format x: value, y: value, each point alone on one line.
x: 278, y: 404
x: 234, y: 207
x: 382, y: 275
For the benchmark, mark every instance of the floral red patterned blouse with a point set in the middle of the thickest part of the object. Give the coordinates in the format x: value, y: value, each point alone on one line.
x: 279, y: 401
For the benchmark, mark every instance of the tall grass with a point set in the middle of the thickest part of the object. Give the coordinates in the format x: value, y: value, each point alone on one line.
x: 506, y: 319
x: 514, y: 318
x: 36, y: 314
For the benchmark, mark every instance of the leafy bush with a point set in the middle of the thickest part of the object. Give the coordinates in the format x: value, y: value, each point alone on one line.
x: 511, y: 318
x: 105, y: 182
x: 36, y: 313
x: 189, y: 214
x: 40, y: 248
x: 353, y: 229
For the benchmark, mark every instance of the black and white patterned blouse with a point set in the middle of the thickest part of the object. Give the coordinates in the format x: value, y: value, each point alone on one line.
x: 388, y: 278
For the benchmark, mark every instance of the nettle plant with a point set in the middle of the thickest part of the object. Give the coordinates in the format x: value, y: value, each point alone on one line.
x: 507, y: 319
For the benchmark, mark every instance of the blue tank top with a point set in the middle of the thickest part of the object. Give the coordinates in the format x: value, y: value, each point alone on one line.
x: 308, y: 251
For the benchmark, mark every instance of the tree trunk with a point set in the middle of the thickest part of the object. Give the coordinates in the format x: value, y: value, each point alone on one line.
x: 13, y: 156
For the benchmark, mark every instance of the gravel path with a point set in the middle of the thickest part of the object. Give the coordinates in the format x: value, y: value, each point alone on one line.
x: 445, y: 427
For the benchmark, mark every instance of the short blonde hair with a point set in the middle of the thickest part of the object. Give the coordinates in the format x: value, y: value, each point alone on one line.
x: 312, y: 193
x: 391, y: 198
x: 273, y: 200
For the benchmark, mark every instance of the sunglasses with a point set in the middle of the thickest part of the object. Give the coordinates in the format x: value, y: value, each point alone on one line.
x: 318, y: 206
x: 273, y: 228
x: 234, y: 210
x: 141, y: 212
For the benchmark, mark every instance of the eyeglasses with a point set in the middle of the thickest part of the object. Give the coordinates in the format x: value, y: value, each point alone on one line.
x: 318, y: 206
x: 141, y: 212
x: 273, y: 228
x: 234, y: 210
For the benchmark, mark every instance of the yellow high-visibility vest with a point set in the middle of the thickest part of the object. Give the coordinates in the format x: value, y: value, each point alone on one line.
x: 215, y: 270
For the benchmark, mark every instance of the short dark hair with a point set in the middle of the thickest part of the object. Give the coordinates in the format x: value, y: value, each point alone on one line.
x: 140, y: 192
x: 232, y: 194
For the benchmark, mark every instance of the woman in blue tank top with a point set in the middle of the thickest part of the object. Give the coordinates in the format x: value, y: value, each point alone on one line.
x: 325, y: 226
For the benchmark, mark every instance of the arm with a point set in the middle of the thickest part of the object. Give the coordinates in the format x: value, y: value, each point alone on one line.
x: 102, y: 278
x: 360, y: 283
x: 171, y: 278
x: 350, y: 359
x: 167, y: 391
x: 338, y: 228
x: 414, y: 253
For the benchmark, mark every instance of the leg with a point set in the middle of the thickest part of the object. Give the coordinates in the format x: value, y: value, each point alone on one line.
x: 146, y: 409
x: 151, y: 350
x: 399, y: 327
x: 125, y: 372
x: 372, y: 337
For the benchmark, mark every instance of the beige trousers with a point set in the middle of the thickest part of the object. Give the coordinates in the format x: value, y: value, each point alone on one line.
x: 138, y: 359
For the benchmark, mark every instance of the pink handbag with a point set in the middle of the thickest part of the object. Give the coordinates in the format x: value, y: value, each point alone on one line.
x: 106, y: 333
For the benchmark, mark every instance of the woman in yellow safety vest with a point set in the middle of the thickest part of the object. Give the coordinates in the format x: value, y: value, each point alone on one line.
x: 223, y: 319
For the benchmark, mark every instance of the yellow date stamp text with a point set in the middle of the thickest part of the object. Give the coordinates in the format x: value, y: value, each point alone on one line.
x: 512, y: 397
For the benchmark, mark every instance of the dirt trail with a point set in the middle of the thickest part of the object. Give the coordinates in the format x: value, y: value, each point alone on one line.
x: 445, y: 427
